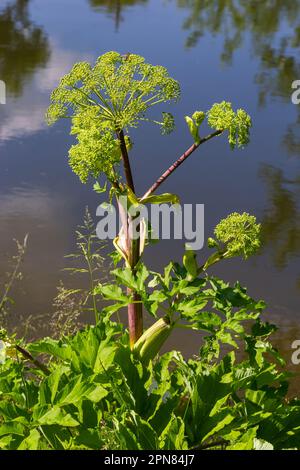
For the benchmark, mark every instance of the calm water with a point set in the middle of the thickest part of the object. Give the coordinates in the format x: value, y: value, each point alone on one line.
x: 244, y: 52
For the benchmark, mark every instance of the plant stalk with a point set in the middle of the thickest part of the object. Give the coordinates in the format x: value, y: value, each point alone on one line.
x: 125, y: 158
x: 34, y: 361
x: 178, y: 162
x: 135, y: 310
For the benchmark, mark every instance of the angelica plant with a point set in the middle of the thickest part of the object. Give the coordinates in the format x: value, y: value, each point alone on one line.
x: 104, y: 102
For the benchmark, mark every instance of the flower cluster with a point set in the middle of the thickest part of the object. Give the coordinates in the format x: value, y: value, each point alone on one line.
x: 240, y: 234
x: 114, y: 94
x: 222, y: 117
x: 168, y: 123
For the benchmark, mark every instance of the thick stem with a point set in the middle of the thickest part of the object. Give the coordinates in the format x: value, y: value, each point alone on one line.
x: 125, y: 157
x: 178, y: 162
x: 221, y: 443
x: 135, y: 319
x: 135, y: 310
x: 34, y: 361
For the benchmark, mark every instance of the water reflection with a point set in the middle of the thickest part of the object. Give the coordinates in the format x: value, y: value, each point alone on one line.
x: 281, y: 223
x: 232, y: 18
x: 274, y: 32
x: 38, y: 213
x: 26, y: 115
x: 24, y: 46
x: 291, y: 139
x: 115, y: 7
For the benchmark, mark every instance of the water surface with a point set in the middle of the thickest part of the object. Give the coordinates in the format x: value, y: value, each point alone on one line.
x: 244, y: 52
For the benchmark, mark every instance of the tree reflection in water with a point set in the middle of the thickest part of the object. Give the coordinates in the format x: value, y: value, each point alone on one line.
x: 23, y: 45
x: 281, y: 222
x: 115, y: 7
x: 274, y: 31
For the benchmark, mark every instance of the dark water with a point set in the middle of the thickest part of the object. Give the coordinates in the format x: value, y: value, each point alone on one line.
x: 244, y: 52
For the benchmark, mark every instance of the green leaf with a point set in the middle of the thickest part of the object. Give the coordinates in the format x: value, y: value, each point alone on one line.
x: 145, y: 434
x: 142, y: 275
x: 126, y: 277
x: 52, y: 347
x: 246, y: 441
x: 189, y: 308
x: 105, y: 357
x: 111, y: 292
x: 173, y: 436
x: 190, y: 263
x: 89, y: 439
x: 100, y: 189
x: 96, y: 394
x: 110, y: 309
x: 260, y: 444
x: 226, y: 338
x: 161, y: 199
x: 57, y: 416
x: 31, y: 442
x: 157, y: 296
x: 127, y: 439
x: 12, y: 428
x: 193, y: 128
x: 208, y: 321
x: 214, y: 424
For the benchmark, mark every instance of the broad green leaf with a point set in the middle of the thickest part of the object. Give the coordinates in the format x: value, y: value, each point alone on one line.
x: 161, y: 199
x: 89, y: 439
x: 52, y: 347
x: 57, y: 416
x: 12, y: 428
x: 174, y: 436
x: 145, y: 434
x: 111, y: 292
x: 142, y: 275
x: 246, y: 441
x: 126, y: 277
x: 31, y: 442
x: 96, y: 394
x: 260, y: 444
x: 127, y: 439
x: 105, y: 357
x: 189, y: 308
x: 214, y: 424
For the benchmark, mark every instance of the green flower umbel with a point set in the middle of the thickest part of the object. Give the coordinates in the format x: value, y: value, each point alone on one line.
x: 222, y: 117
x: 240, y: 235
x: 113, y: 95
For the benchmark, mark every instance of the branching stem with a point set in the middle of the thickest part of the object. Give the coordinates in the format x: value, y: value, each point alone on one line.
x: 178, y: 162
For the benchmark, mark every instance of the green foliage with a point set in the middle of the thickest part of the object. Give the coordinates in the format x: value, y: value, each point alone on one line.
x: 92, y: 392
x: 113, y: 95
x: 180, y: 298
x: 95, y: 393
x: 98, y: 395
x: 222, y: 117
x: 168, y: 123
x: 194, y: 124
